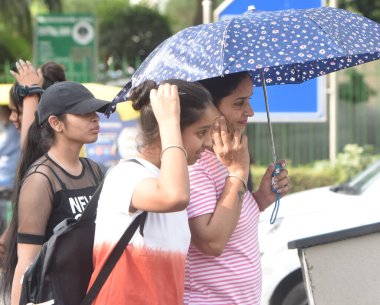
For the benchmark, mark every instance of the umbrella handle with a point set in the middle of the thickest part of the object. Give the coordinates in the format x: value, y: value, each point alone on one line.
x: 276, y: 172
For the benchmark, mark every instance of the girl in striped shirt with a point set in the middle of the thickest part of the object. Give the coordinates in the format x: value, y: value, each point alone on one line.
x: 223, y: 263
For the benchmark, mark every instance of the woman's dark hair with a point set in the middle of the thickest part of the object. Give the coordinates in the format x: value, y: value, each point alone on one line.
x: 194, y: 98
x: 14, y: 97
x: 38, y: 142
x: 222, y: 86
x: 52, y: 73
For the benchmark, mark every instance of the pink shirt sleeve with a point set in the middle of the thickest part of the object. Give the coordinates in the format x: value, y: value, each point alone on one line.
x: 203, y: 192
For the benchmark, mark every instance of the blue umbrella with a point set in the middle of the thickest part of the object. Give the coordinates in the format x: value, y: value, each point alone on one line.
x: 288, y: 47
x: 276, y: 47
x: 282, y: 47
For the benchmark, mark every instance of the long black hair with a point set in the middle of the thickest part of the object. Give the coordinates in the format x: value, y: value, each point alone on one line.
x: 38, y: 141
x: 15, y: 99
x: 194, y: 98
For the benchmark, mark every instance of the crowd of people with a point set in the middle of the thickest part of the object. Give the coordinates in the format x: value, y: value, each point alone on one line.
x: 200, y: 240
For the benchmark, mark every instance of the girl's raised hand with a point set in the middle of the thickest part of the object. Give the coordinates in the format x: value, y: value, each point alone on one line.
x: 26, y: 74
x: 231, y: 148
x: 165, y: 104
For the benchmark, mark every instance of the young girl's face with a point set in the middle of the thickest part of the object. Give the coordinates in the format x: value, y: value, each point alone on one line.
x: 197, y: 137
x: 81, y: 128
x: 236, y: 107
x: 16, y: 115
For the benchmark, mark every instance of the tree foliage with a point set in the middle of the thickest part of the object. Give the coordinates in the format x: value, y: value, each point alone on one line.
x: 54, y: 5
x: 12, y: 47
x: 130, y: 33
x: 185, y: 13
x: 180, y: 13
x: 369, y: 8
x: 17, y: 15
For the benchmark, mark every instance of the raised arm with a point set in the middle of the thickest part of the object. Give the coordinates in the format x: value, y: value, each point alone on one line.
x: 211, y: 232
x: 27, y: 75
x: 170, y: 191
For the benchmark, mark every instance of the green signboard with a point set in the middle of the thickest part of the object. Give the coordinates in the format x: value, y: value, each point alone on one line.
x: 69, y: 40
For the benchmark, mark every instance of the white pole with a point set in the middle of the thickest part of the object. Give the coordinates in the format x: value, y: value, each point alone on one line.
x: 207, y: 9
x: 332, y: 110
x: 332, y: 118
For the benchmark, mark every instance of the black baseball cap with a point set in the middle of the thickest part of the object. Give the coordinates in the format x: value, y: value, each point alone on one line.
x: 68, y: 98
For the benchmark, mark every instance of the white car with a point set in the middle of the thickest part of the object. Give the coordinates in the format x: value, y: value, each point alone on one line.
x: 309, y: 213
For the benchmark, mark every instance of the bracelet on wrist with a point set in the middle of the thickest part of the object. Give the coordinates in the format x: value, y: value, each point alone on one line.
x: 23, y: 91
x: 239, y: 178
x: 174, y: 146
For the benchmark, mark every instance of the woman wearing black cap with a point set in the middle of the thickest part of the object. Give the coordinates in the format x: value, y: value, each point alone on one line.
x: 54, y: 183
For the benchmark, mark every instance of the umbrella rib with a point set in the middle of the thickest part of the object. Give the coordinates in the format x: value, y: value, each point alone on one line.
x: 223, y: 45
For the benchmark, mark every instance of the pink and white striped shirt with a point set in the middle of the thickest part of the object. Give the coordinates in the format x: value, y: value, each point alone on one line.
x: 235, y: 276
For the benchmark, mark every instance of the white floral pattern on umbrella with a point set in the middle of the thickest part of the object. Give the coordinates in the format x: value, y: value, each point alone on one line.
x: 290, y: 46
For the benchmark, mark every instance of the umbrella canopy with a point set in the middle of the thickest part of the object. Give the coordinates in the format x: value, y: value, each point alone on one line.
x: 276, y: 47
x: 289, y: 46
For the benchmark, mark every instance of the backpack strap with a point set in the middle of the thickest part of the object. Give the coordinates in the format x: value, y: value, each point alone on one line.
x: 112, y: 260
x: 90, y: 210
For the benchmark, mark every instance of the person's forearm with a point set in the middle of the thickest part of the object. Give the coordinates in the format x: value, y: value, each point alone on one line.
x: 214, y: 236
x: 28, y: 113
x: 262, y: 204
x: 174, y: 176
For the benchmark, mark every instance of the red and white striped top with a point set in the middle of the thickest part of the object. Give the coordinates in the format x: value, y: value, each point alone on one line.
x: 235, y: 276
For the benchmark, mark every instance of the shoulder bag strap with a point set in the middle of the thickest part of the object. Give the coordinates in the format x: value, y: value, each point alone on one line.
x: 90, y: 210
x: 112, y: 260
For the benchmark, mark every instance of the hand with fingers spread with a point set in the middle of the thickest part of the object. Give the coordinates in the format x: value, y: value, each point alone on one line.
x: 264, y: 196
x: 231, y: 148
x: 26, y: 74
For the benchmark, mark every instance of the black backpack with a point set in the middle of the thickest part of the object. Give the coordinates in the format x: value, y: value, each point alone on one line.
x: 61, y: 272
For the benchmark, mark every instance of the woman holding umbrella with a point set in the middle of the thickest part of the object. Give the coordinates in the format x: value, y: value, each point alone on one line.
x: 223, y: 263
